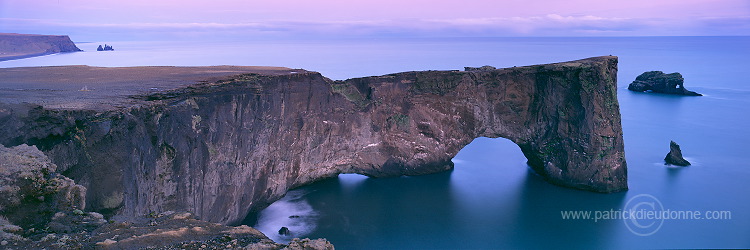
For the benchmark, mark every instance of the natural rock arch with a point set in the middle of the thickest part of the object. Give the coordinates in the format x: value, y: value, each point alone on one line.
x: 564, y: 117
x: 224, y: 148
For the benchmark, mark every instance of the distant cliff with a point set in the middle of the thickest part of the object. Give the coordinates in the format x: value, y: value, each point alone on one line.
x: 16, y: 46
x: 223, y: 148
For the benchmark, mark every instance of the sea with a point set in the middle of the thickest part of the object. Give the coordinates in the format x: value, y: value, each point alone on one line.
x: 491, y: 200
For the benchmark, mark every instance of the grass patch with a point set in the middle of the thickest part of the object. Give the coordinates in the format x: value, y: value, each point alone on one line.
x: 351, y: 93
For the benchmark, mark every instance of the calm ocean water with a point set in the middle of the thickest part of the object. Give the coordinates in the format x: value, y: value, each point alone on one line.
x: 491, y: 200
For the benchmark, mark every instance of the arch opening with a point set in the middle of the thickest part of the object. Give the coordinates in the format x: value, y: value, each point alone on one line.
x: 489, y: 176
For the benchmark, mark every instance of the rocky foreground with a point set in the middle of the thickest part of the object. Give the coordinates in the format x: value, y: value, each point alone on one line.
x: 43, y: 209
x: 17, y: 46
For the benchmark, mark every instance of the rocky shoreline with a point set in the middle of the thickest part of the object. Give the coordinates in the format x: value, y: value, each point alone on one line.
x: 42, y: 209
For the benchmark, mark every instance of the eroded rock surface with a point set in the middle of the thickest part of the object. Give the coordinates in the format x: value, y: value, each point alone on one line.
x: 32, y: 192
x: 674, y: 157
x: 223, y: 148
x: 180, y: 230
x: 41, y: 209
x: 658, y: 82
x: 37, y: 201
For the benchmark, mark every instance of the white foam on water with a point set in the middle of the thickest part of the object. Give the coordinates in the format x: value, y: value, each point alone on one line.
x: 293, y: 212
x: 693, y: 162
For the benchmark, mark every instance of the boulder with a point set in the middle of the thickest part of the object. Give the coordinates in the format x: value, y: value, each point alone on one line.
x: 284, y: 231
x: 31, y: 189
x: 658, y: 82
x: 310, y: 244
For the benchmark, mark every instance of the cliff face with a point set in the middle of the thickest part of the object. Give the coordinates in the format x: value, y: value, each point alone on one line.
x: 224, y: 148
x: 15, y: 46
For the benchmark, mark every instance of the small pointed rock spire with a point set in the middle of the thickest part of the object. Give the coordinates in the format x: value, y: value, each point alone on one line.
x: 674, y: 157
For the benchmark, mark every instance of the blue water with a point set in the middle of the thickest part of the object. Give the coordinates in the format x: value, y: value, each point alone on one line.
x: 491, y: 200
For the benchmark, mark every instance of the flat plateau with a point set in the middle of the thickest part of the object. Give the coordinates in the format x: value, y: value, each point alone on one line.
x: 106, y: 88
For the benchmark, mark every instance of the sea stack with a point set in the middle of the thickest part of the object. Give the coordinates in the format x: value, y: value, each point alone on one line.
x: 674, y: 157
x: 105, y: 48
x: 658, y: 82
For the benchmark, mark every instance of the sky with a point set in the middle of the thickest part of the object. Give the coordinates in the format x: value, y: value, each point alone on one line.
x: 145, y: 19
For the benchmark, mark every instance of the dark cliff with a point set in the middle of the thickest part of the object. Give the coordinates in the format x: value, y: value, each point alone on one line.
x: 223, y: 148
x: 674, y: 157
x: 16, y: 46
x: 658, y: 82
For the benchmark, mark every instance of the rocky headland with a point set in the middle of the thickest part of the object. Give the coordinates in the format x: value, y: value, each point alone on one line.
x: 17, y: 46
x: 220, y: 142
x: 659, y: 82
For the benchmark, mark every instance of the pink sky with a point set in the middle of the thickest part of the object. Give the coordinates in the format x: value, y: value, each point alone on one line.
x: 368, y: 17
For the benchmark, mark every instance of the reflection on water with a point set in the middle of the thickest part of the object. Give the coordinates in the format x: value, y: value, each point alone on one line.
x: 539, y: 225
x: 374, y: 212
x: 492, y: 200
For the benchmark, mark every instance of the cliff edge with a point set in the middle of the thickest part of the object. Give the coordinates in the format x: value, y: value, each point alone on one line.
x: 17, y: 46
x: 221, y: 148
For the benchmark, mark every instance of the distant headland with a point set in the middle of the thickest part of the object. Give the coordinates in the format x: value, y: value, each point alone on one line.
x: 17, y: 46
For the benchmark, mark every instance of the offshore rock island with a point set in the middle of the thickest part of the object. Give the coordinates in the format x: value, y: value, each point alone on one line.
x: 222, y: 141
x: 674, y: 157
x: 659, y: 82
